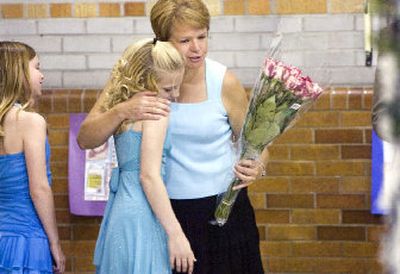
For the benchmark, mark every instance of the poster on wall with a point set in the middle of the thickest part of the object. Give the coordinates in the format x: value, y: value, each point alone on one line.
x: 98, y: 165
x: 383, y: 154
x: 88, y: 173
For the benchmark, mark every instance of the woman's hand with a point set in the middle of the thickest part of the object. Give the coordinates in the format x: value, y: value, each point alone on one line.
x: 180, y: 254
x: 144, y: 106
x: 59, y: 258
x: 248, y: 171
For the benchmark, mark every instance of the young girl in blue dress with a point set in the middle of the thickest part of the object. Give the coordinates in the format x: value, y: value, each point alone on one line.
x: 139, y: 233
x: 29, y: 241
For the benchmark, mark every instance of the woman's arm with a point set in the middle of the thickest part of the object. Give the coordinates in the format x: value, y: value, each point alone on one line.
x: 235, y: 101
x: 34, y: 139
x: 99, y: 125
x: 181, y: 255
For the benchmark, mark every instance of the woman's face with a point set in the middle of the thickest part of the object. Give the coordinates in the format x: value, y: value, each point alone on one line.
x: 169, y: 84
x: 36, y: 76
x: 191, y: 42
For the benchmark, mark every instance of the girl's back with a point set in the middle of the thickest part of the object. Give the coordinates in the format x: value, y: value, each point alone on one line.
x: 21, y: 232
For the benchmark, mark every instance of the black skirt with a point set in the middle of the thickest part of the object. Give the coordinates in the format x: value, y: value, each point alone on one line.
x: 230, y: 249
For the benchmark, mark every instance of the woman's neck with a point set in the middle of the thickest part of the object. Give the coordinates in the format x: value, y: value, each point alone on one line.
x: 193, y: 76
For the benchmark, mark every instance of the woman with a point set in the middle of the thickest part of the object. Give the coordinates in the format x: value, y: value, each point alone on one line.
x: 132, y: 239
x: 211, y: 110
x: 29, y: 241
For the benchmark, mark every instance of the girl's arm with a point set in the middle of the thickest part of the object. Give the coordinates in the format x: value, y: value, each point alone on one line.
x: 34, y: 138
x: 99, y: 125
x: 181, y: 255
x: 236, y: 103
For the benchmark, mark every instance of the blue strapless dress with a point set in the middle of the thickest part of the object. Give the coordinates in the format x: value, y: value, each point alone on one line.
x: 131, y: 239
x: 24, y: 246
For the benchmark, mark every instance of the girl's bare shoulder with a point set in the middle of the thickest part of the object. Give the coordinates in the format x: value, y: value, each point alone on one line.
x: 30, y: 120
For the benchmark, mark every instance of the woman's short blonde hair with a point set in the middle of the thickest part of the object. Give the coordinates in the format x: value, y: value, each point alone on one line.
x: 139, y: 67
x: 166, y: 13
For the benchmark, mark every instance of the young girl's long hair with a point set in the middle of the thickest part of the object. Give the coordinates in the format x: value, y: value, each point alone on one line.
x: 138, y: 69
x: 14, y: 77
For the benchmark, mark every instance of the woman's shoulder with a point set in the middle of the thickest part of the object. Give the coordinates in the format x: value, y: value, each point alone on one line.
x: 231, y: 83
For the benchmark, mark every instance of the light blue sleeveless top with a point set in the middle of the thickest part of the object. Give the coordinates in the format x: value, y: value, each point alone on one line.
x: 200, y: 160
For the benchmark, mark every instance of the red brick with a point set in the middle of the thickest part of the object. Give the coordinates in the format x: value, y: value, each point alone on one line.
x: 355, y: 184
x: 360, y: 217
x: 341, y: 265
x: 305, y: 184
x: 320, y: 119
x: 270, y: 184
x: 338, y: 136
x: 89, y: 98
x: 342, y: 168
x: 63, y: 216
x: 85, y: 232
x: 367, y: 100
x: 356, y: 152
x: 61, y: 201
x: 355, y: 99
x: 84, y: 264
x: 355, y: 119
x: 315, y: 152
x: 323, y: 102
x: 75, y: 219
x: 261, y: 232
x: 289, y: 265
x: 375, y: 233
x: 315, y: 216
x: 272, y: 216
x: 290, y: 200
x: 296, y: 136
x: 317, y: 249
x: 58, y: 137
x: 134, y: 9
x: 75, y: 101
x: 341, y: 233
x: 59, y: 185
x: 45, y: 102
x: 60, y: 99
x: 276, y: 249
x: 356, y: 249
x: 342, y: 201
x: 82, y: 248
x: 339, y: 99
x: 278, y: 152
x: 290, y: 168
x: 293, y: 232
x: 58, y: 121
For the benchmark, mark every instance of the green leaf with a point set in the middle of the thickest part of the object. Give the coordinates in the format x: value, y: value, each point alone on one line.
x: 266, y: 111
x: 262, y: 135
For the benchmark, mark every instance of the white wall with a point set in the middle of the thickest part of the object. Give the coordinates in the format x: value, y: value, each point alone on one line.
x: 79, y: 53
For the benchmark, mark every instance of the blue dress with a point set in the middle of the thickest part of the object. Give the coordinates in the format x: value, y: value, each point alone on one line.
x: 24, y: 246
x: 131, y: 239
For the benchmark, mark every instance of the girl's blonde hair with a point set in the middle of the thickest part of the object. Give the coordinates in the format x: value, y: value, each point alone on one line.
x: 14, y: 77
x: 138, y: 69
x: 165, y: 13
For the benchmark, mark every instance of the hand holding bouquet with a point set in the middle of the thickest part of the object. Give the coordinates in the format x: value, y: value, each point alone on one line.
x: 281, y: 93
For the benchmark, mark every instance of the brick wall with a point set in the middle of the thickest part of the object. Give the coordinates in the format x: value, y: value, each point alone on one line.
x: 312, y: 210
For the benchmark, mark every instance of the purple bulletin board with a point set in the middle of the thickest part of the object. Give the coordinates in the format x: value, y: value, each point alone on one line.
x: 76, y: 174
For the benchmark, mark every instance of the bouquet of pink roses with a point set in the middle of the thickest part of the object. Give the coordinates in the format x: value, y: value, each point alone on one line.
x: 281, y: 93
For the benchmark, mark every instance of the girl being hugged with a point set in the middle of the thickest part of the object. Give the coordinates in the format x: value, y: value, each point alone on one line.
x: 139, y: 232
x: 29, y: 239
